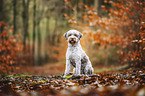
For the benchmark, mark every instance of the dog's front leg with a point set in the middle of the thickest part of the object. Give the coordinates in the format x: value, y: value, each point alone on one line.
x: 78, y: 67
x: 68, y: 67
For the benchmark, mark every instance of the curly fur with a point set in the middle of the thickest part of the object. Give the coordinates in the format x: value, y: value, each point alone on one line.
x: 76, y: 56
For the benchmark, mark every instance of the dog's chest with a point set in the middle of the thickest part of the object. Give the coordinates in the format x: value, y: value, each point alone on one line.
x: 77, y: 59
x: 73, y: 52
x: 74, y: 58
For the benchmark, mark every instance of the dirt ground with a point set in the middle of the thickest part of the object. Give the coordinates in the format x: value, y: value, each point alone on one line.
x: 46, y: 69
x: 59, y: 68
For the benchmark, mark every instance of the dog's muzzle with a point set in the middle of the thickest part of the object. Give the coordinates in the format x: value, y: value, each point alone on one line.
x: 72, y: 41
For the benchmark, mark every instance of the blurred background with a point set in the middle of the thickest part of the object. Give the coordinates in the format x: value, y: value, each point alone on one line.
x: 31, y: 33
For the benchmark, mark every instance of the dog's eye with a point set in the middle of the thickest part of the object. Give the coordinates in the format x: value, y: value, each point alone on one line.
x: 76, y: 35
x: 69, y: 35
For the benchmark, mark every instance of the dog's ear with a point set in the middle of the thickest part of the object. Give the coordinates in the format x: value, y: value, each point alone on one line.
x: 80, y: 35
x: 65, y: 35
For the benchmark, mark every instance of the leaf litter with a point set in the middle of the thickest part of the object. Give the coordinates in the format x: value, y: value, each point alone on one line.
x: 125, y: 83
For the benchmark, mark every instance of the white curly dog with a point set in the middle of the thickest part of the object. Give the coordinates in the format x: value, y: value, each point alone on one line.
x: 76, y: 56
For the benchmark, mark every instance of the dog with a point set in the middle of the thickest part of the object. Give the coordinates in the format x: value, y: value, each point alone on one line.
x: 76, y: 56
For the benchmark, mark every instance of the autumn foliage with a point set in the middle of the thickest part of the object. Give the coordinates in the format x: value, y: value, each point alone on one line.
x: 10, y: 45
x: 125, y: 83
x: 120, y: 25
x: 117, y: 31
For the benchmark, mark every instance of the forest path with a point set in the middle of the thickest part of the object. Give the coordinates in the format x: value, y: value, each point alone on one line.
x: 46, y: 69
x: 58, y: 68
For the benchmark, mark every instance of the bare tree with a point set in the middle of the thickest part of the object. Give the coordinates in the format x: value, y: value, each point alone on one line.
x: 34, y: 31
x: 25, y: 20
x: 40, y: 15
x: 14, y: 15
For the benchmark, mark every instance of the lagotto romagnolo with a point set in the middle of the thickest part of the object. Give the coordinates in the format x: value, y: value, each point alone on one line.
x: 76, y: 56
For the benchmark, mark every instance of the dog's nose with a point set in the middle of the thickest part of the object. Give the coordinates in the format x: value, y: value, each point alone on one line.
x: 72, y: 39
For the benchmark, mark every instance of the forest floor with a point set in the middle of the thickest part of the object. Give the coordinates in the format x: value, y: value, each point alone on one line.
x: 48, y: 80
x: 46, y: 69
x: 59, y: 68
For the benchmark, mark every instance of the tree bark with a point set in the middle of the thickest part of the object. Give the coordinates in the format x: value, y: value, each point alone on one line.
x: 96, y: 4
x: 39, y: 18
x: 14, y: 16
x: 34, y: 31
x: 25, y: 21
x: 39, y: 44
x: 47, y: 39
x: 54, y: 33
x: 2, y: 11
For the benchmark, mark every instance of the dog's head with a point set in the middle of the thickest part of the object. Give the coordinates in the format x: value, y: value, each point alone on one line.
x: 73, y: 36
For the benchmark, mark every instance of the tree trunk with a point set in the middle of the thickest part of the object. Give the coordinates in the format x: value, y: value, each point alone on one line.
x: 3, y: 15
x: 1, y: 9
x: 47, y: 30
x: 47, y: 39
x: 39, y: 44
x: 40, y: 15
x: 14, y: 15
x: 54, y: 33
x: 34, y: 31
x: 96, y: 5
x: 25, y: 21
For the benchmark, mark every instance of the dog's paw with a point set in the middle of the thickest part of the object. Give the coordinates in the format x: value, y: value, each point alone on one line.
x: 67, y: 77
